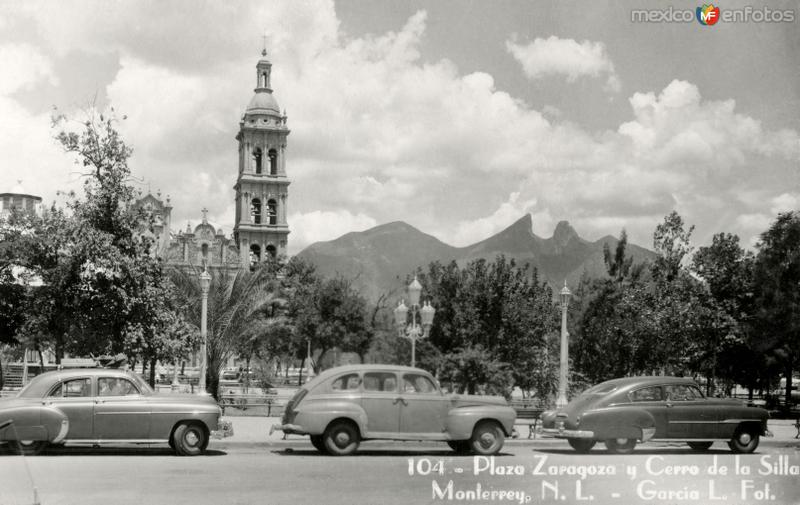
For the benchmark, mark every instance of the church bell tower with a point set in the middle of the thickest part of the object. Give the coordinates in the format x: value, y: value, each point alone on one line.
x: 261, y: 187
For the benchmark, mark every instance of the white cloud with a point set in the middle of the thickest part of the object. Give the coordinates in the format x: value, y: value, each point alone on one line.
x: 380, y: 133
x: 469, y: 232
x: 567, y: 57
x: 318, y: 226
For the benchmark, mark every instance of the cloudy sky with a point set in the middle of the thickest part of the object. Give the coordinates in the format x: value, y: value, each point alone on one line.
x: 457, y: 117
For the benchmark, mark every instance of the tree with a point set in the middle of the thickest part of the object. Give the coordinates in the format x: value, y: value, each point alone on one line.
x: 330, y: 313
x: 777, y: 292
x: 474, y: 370
x: 672, y: 243
x: 495, y: 307
x: 236, y: 299
x: 727, y: 271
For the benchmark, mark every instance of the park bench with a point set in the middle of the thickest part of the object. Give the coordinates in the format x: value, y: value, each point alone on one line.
x: 246, y: 401
x: 528, y: 415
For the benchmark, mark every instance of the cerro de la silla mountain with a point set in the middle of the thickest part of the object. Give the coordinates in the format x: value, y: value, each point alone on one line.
x: 381, y: 258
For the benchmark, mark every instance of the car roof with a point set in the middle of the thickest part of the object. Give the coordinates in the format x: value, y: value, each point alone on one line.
x: 72, y: 372
x: 363, y: 368
x: 647, y: 380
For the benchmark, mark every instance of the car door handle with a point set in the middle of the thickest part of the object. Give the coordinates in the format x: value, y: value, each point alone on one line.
x: 405, y: 403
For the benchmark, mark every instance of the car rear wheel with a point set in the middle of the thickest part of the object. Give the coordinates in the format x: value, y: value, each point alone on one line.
x: 459, y: 446
x: 582, y: 445
x: 744, y: 441
x: 700, y: 446
x: 27, y: 447
x: 621, y: 445
x: 189, y: 439
x: 319, y: 443
x: 341, y: 438
x: 487, y: 438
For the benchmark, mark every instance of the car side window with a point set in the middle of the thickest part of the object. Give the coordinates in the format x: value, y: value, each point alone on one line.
x: 380, y: 381
x: 114, y: 386
x: 649, y: 394
x: 347, y: 382
x: 74, y: 388
x: 682, y: 393
x: 420, y: 384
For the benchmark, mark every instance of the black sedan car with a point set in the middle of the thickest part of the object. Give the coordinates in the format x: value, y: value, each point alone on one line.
x: 623, y: 412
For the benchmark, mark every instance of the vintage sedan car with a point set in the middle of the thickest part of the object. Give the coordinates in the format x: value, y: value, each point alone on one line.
x: 343, y: 406
x: 622, y: 412
x: 106, y: 406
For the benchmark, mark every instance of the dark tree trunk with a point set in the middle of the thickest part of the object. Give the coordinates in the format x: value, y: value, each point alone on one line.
x: 152, y: 379
x: 2, y: 379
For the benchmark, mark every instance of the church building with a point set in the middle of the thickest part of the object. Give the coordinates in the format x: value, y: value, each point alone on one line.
x: 261, y: 192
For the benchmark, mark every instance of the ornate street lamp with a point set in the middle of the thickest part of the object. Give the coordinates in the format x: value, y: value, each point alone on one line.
x: 564, y: 364
x: 205, y: 283
x: 414, y: 331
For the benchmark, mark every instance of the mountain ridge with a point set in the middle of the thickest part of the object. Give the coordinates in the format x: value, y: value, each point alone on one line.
x: 379, y: 259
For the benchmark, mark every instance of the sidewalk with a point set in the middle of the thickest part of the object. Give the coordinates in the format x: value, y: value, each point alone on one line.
x: 255, y: 430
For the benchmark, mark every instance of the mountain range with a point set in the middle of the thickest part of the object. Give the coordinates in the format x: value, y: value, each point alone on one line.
x: 379, y: 259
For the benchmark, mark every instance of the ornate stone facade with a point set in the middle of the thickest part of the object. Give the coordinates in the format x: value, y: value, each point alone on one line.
x: 261, y: 189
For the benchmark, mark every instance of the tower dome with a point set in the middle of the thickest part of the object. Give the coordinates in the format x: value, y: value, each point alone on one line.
x: 263, y: 102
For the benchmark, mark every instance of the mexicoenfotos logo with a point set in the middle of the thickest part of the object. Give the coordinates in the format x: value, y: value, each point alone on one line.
x: 707, y: 15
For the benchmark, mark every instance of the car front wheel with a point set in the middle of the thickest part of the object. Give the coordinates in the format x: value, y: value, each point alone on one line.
x: 341, y: 438
x: 744, y: 441
x: 582, y: 445
x: 621, y: 445
x: 487, y: 438
x: 27, y: 447
x: 189, y: 439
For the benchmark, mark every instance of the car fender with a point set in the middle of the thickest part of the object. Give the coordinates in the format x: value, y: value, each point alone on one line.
x: 462, y: 420
x: 618, y: 422
x: 34, y: 422
x: 315, y: 414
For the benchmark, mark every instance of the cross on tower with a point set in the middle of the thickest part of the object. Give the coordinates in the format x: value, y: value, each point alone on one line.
x: 205, y: 212
x: 264, y: 50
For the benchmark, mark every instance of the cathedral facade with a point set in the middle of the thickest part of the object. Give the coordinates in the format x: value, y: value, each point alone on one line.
x: 261, y: 193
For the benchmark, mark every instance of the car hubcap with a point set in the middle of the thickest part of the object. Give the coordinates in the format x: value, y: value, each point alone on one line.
x: 622, y: 441
x: 342, y: 439
x: 487, y: 440
x: 745, y: 438
x: 191, y: 438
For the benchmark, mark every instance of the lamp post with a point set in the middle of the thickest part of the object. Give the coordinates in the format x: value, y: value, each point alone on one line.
x: 414, y: 331
x: 564, y: 364
x: 205, y: 283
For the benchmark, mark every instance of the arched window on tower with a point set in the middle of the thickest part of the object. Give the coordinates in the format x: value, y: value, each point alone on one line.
x: 271, y: 251
x: 258, y: 156
x: 255, y: 211
x: 273, y: 162
x: 263, y: 79
x: 272, y: 211
x: 204, y: 254
x: 255, y: 255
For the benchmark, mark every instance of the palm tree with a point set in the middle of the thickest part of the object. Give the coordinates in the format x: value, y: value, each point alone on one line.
x: 236, y: 300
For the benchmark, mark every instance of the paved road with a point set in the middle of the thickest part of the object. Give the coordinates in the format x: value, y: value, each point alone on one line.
x: 402, y: 473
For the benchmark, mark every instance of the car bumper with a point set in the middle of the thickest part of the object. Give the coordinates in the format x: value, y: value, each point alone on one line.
x: 563, y: 433
x: 288, y: 429
x: 224, y: 429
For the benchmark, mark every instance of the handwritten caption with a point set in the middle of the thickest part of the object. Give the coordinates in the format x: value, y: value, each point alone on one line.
x: 721, y: 480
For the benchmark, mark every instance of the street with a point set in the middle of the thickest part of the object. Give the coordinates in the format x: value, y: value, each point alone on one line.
x: 291, y: 472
